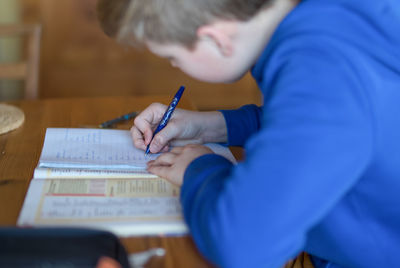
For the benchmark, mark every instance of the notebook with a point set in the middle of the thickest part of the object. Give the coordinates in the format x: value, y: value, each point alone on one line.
x: 97, y: 178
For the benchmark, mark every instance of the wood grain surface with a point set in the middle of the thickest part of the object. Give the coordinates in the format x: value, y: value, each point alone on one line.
x: 21, y: 148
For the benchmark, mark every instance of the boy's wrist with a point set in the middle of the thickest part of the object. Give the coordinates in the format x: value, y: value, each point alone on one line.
x: 213, y: 127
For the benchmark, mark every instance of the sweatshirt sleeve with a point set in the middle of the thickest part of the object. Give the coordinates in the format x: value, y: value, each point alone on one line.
x: 315, y: 141
x: 242, y: 123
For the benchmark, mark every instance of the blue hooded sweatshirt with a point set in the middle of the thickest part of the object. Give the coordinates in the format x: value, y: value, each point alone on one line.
x: 322, y: 166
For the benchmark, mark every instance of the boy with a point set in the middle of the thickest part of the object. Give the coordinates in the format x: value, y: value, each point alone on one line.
x: 322, y: 171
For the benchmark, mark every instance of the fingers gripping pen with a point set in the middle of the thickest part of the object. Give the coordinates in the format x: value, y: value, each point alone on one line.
x: 167, y: 115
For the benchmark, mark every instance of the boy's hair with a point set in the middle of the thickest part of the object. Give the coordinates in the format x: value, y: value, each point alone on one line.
x: 169, y: 21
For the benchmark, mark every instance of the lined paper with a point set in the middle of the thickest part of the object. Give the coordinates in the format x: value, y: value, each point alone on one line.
x: 92, y: 149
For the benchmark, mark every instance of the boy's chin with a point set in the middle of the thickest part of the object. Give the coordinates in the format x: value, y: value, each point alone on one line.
x: 222, y: 79
x: 234, y: 79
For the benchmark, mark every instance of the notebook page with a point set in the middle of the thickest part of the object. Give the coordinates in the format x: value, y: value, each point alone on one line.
x: 91, y: 149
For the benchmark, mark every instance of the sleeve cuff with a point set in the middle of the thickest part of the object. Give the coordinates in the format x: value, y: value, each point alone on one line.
x: 242, y: 123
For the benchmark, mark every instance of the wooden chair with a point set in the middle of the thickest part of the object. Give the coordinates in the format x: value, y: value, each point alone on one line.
x: 27, y: 69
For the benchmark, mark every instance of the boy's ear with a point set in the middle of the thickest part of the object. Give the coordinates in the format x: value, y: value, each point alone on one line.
x: 220, y: 34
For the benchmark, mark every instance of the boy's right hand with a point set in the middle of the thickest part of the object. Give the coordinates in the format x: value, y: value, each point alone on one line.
x: 184, y: 127
x: 180, y: 130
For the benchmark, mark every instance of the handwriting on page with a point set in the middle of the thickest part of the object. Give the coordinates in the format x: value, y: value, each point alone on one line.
x: 92, y: 147
x: 55, y: 207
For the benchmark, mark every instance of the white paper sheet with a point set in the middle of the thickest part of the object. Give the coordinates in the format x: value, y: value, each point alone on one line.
x: 92, y: 149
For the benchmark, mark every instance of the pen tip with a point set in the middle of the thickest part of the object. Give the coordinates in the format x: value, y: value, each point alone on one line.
x: 147, y: 150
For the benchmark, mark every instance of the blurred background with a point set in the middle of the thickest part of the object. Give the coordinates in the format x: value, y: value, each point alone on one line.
x: 78, y: 60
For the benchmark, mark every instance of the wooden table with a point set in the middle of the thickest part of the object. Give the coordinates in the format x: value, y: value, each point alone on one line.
x: 21, y: 148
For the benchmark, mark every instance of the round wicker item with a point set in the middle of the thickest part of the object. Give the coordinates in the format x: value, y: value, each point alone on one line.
x: 11, y: 118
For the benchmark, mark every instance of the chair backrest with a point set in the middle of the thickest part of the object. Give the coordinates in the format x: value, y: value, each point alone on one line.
x: 28, y: 68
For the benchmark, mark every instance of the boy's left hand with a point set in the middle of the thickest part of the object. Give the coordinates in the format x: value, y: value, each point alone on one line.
x: 172, y: 165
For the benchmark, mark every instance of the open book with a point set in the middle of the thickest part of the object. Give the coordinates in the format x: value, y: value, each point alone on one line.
x: 97, y: 178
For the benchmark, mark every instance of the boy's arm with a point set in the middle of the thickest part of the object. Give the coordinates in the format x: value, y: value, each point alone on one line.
x: 315, y: 142
x: 185, y: 127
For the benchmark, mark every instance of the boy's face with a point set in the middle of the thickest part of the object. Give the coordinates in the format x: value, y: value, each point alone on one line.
x: 225, y: 49
x: 204, y: 62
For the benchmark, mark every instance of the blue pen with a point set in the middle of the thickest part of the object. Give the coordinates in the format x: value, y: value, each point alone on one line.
x: 167, y: 115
